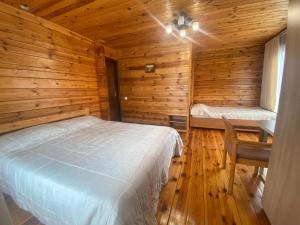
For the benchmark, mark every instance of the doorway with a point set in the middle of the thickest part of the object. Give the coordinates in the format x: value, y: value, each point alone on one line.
x: 113, y: 89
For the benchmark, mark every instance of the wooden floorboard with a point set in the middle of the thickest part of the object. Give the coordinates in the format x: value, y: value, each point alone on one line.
x: 196, y: 193
x: 196, y: 208
x: 206, y: 200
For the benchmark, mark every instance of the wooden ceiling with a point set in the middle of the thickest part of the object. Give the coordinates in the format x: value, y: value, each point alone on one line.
x: 124, y: 23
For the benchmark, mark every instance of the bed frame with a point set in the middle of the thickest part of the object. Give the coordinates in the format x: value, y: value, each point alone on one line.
x: 214, y: 123
x: 7, y: 127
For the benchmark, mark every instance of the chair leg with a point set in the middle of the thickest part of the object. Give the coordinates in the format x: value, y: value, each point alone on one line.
x: 255, y: 172
x: 223, y: 166
x: 231, y: 178
x: 261, y: 136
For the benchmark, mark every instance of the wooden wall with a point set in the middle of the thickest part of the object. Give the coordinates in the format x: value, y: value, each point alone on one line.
x: 229, y: 77
x: 44, y: 68
x: 154, y: 96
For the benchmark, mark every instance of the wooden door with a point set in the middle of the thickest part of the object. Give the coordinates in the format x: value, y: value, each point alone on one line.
x: 113, y: 89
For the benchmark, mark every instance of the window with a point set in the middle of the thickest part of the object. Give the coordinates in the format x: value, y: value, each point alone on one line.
x: 272, y: 72
x: 281, y: 59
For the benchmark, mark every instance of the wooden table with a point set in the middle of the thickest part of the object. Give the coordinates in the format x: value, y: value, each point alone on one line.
x: 268, y: 126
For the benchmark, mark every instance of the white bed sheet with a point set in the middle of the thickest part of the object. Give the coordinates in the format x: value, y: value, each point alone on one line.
x: 87, y: 171
x: 244, y: 113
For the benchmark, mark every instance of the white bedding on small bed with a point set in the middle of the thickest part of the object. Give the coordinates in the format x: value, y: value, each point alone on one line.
x: 244, y: 113
x: 86, y: 171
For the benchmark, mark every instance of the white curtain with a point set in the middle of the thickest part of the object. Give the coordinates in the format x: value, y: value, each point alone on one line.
x: 270, y: 75
x: 280, y: 66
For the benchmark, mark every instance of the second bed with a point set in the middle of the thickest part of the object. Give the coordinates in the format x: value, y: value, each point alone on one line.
x: 205, y: 116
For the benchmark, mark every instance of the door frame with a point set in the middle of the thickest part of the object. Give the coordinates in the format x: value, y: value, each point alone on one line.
x: 118, y: 84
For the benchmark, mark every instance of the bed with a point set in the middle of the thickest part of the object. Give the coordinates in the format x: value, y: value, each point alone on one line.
x: 87, y: 171
x: 205, y: 116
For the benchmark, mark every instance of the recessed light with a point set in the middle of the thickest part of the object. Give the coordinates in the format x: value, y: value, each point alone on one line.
x: 169, y: 29
x: 182, y: 33
x: 181, y: 20
x: 24, y: 7
x: 195, y: 25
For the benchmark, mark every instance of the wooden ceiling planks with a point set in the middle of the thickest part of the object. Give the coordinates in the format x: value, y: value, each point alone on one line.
x: 125, y: 23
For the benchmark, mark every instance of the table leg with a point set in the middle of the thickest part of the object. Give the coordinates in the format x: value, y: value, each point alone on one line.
x: 261, y: 172
x: 263, y: 138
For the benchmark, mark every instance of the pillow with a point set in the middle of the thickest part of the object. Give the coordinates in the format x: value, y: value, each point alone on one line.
x: 199, y: 110
x: 30, y: 136
x: 39, y: 134
x: 7, y: 145
x: 78, y: 123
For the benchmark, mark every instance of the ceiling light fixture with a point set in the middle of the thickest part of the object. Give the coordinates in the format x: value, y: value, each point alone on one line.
x: 25, y: 7
x: 169, y: 29
x: 180, y: 20
x: 182, y: 33
x: 182, y: 23
x: 195, y: 25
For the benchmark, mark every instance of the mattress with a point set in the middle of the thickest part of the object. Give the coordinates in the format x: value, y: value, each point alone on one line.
x: 244, y: 113
x: 86, y: 171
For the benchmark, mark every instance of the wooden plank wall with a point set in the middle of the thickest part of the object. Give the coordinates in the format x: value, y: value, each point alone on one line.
x: 44, y: 68
x: 154, y: 96
x: 228, y: 77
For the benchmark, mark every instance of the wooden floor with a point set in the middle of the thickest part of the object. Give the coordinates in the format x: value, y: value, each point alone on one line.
x: 197, y: 189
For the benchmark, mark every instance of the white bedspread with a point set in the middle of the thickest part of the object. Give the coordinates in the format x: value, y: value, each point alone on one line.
x: 245, y: 113
x: 87, y: 171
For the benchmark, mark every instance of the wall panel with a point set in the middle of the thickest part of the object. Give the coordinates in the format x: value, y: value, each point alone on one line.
x: 154, y: 96
x: 229, y: 77
x: 44, y: 68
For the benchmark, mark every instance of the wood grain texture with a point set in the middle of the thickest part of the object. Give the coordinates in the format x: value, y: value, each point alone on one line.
x: 281, y: 198
x: 123, y: 23
x: 228, y: 77
x: 103, y: 52
x: 215, y: 123
x: 154, y: 96
x: 196, y: 193
x: 201, y: 197
x: 45, y: 69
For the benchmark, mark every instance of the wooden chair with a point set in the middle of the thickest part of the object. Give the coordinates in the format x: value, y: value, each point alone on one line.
x: 244, y: 152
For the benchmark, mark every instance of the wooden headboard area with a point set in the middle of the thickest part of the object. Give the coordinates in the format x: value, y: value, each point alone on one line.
x: 12, y: 126
x: 47, y: 72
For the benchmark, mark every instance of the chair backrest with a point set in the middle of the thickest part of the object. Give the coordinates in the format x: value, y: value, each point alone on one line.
x: 230, y: 134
